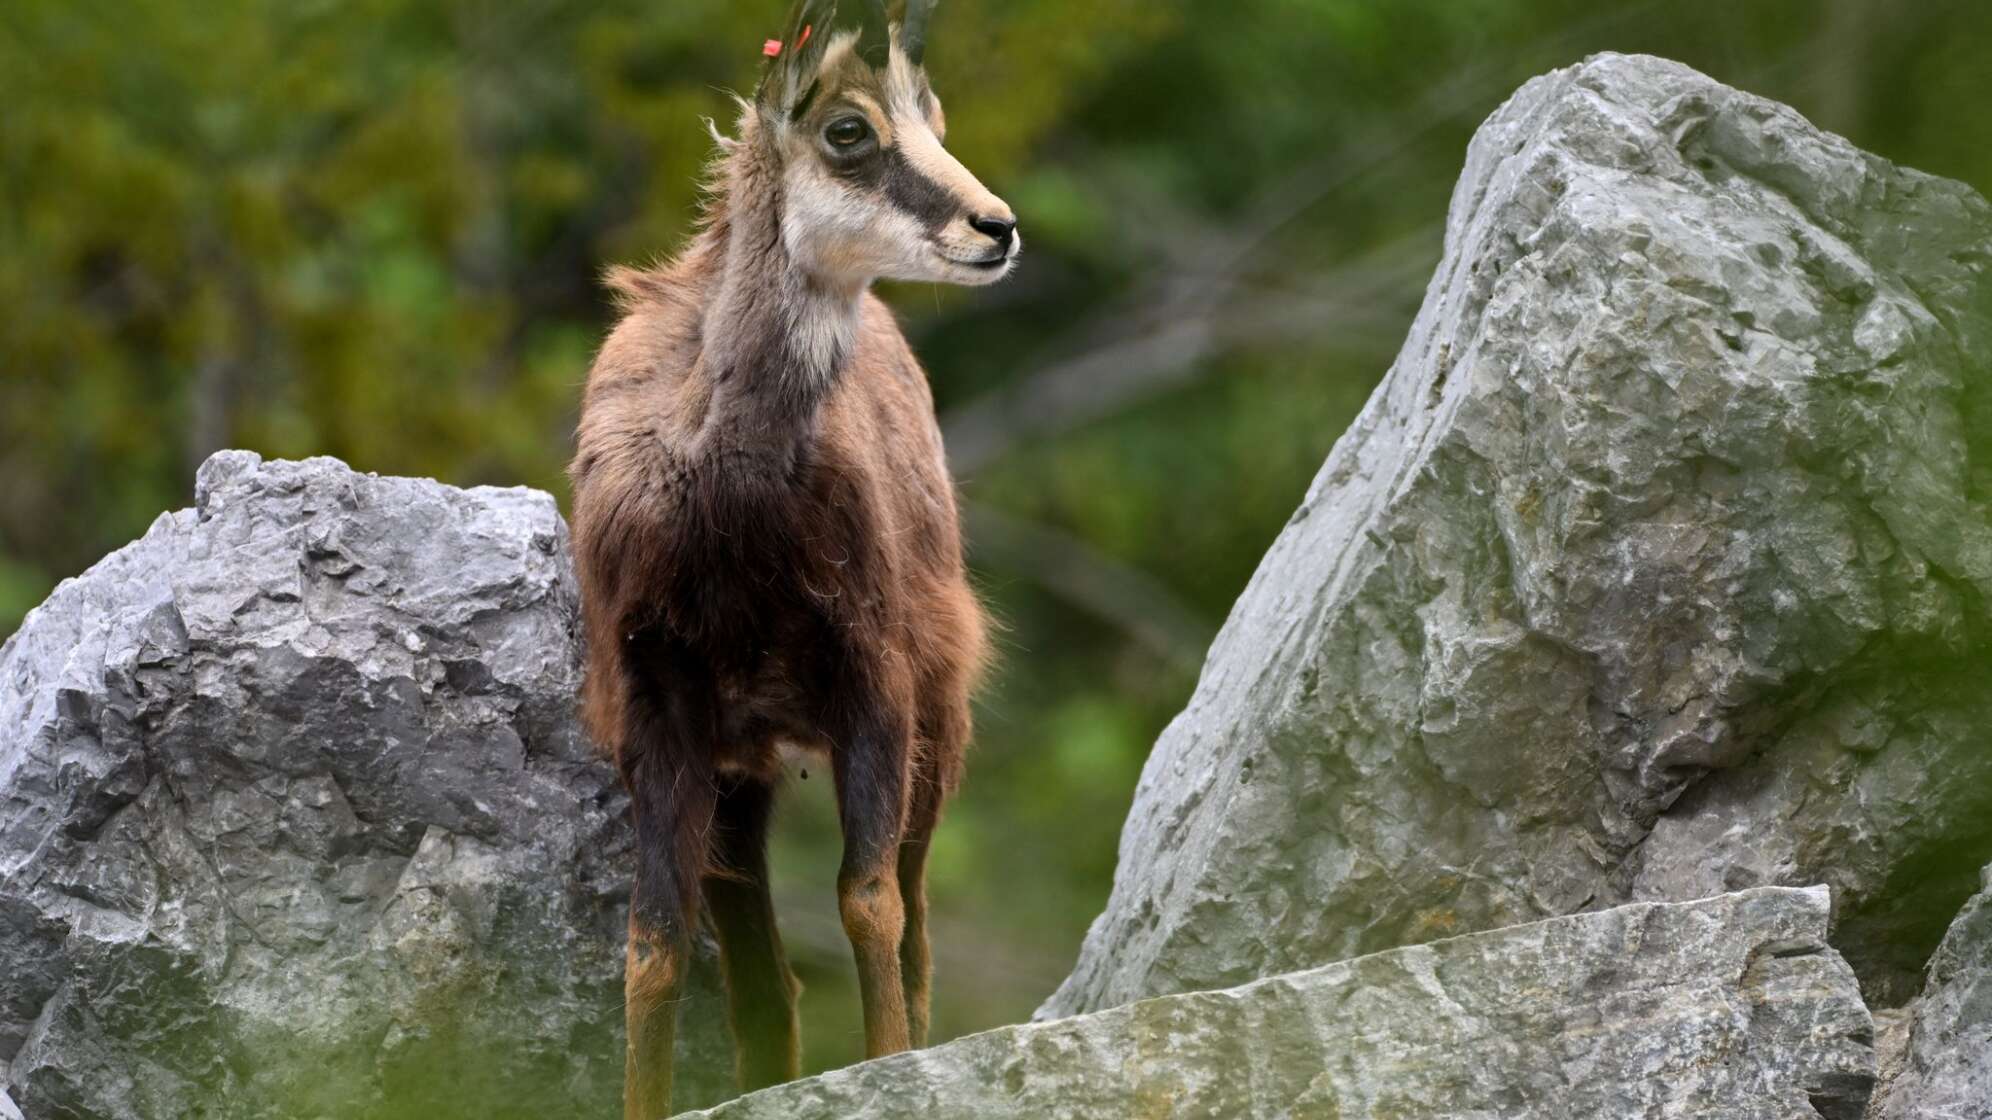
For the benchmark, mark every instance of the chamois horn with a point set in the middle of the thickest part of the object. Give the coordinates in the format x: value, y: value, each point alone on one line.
x: 875, y: 40
x: 913, y: 30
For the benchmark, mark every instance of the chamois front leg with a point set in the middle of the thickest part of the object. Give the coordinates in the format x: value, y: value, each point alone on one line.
x: 871, y: 770
x: 670, y: 815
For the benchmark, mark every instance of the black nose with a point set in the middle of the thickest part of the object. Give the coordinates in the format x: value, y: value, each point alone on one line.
x: 1000, y: 230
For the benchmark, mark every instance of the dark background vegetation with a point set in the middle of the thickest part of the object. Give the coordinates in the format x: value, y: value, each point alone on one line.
x: 372, y: 229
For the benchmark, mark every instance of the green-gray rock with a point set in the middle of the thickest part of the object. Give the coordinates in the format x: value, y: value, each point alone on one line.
x: 1732, y: 1007
x: 1658, y: 566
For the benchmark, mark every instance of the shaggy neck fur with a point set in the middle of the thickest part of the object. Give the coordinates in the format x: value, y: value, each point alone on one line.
x: 775, y: 336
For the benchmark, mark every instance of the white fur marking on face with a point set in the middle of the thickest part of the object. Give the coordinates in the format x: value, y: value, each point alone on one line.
x: 847, y: 236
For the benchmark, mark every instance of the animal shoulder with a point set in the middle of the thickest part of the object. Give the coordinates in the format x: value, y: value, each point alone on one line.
x: 658, y: 335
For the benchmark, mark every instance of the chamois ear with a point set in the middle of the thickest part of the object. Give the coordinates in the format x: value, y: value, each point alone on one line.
x: 913, y: 30
x: 793, y: 60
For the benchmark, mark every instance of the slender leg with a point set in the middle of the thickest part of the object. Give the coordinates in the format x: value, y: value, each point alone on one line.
x: 760, y: 989
x: 945, y: 728
x: 871, y: 802
x: 916, y: 969
x: 664, y: 765
x: 662, y: 912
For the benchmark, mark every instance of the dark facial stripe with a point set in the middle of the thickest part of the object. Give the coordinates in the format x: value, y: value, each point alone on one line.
x: 918, y: 195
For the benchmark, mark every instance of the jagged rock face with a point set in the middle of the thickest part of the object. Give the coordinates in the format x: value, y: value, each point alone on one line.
x: 1947, y: 1067
x: 295, y: 818
x: 1732, y: 1007
x: 1657, y: 566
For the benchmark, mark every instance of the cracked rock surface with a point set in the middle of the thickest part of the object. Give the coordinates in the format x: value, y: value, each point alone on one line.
x: 1657, y: 567
x: 1946, y: 1067
x: 1732, y: 1007
x: 296, y: 820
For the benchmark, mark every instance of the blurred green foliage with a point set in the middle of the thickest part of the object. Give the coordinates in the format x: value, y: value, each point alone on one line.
x: 372, y: 229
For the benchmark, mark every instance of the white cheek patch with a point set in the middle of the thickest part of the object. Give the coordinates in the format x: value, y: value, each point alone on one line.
x: 838, y: 231
x: 904, y: 251
x: 823, y: 212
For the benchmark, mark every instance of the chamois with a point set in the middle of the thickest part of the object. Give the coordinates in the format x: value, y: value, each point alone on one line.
x: 767, y: 539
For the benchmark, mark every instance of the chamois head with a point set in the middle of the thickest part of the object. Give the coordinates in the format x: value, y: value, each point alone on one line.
x: 847, y: 114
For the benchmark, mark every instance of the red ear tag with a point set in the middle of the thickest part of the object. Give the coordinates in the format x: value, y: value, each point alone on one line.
x: 772, y: 48
x: 807, y: 30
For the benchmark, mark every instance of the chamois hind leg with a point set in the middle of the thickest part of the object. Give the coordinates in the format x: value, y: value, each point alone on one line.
x: 945, y: 726
x: 871, y: 770
x: 761, y: 991
x: 916, y: 968
x: 665, y: 764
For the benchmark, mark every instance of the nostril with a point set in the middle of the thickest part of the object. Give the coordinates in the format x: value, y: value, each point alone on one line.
x: 1000, y: 230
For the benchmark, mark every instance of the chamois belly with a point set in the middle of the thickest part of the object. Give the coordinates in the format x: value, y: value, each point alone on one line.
x: 772, y: 648
x: 766, y: 719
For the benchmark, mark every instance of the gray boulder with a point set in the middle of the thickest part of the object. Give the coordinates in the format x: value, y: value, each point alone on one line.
x: 1733, y: 1007
x: 295, y: 818
x: 1946, y: 1068
x: 1658, y: 566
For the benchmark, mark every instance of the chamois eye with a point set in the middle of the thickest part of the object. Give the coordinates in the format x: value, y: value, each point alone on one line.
x: 848, y: 132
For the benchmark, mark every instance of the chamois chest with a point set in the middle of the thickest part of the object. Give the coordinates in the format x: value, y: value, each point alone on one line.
x: 784, y: 581
x: 778, y: 560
